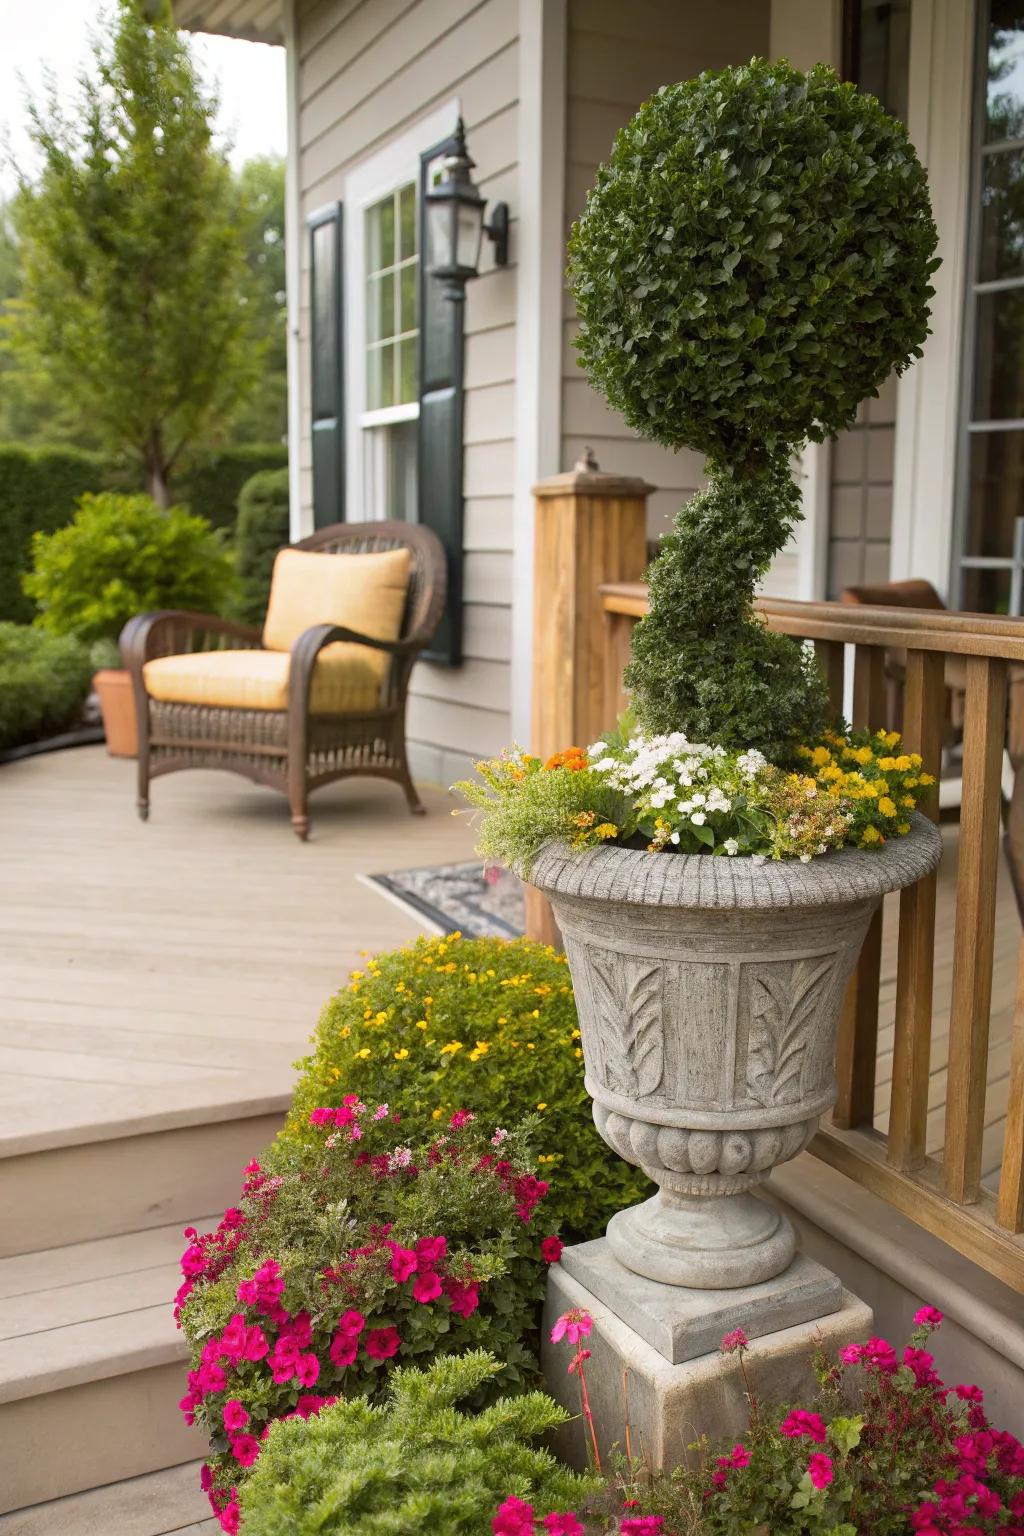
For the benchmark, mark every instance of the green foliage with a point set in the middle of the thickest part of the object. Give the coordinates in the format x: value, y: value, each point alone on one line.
x: 39, y: 488
x: 485, y: 1022
x: 261, y: 531
x: 703, y: 662
x: 414, y: 1465
x: 753, y: 260
x: 133, y: 301
x: 121, y: 556
x: 263, y: 417
x: 211, y: 484
x: 383, y: 1240
x: 44, y: 680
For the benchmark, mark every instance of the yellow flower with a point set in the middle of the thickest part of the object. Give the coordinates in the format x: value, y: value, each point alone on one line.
x: 427, y: 1002
x: 335, y: 1073
x: 903, y: 828
x: 575, y: 1033
x: 356, y: 975
x: 530, y: 1045
x: 345, y: 1031
x: 927, y: 778
x: 863, y: 755
x: 503, y: 1021
x: 421, y: 1023
x: 542, y: 1105
x: 870, y: 835
x: 436, y: 1114
x: 362, y: 1055
x: 916, y: 759
x: 402, y: 1054
x: 578, y: 1053
x: 821, y: 756
x: 535, y: 1013
x: 606, y: 830
x: 886, y: 806
x: 451, y: 1048
x: 908, y: 801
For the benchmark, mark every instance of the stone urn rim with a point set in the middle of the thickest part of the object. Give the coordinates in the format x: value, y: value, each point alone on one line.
x: 741, y: 882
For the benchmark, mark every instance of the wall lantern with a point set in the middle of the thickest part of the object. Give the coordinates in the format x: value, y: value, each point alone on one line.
x: 455, y: 215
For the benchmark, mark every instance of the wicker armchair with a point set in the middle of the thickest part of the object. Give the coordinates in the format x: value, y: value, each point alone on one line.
x: 293, y: 749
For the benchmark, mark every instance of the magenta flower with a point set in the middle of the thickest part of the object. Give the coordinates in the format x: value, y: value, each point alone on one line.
x: 320, y: 1117
x: 307, y: 1370
x: 344, y: 1349
x: 572, y: 1325
x: 382, y: 1343
x: 740, y: 1456
x: 463, y: 1299
x: 403, y: 1262
x: 819, y: 1470
x: 235, y: 1416
x: 245, y: 1449
x: 641, y: 1525
x: 514, y: 1518
x: 430, y: 1251
x: 562, y: 1525
x: 460, y: 1118
x: 351, y: 1322
x: 927, y: 1317
x: 731, y: 1342
x: 381, y: 1112
x: 551, y: 1249
x: 427, y: 1287
x: 969, y: 1394
x: 800, y: 1422
x: 852, y: 1354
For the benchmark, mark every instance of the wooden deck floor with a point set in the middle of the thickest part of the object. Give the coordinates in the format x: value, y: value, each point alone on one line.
x: 182, y: 963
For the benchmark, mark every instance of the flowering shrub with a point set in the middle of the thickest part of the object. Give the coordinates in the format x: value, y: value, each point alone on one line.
x: 855, y: 789
x: 886, y: 1448
x: 485, y: 1022
x: 373, y: 1245
x: 412, y: 1465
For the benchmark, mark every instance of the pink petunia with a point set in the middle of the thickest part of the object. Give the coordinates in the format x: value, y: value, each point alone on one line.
x: 235, y: 1416
x: 307, y: 1370
x: 463, y: 1299
x: 852, y: 1354
x: 572, y: 1325
x: 382, y: 1343
x: 927, y: 1317
x: 800, y: 1422
x: 551, y: 1249
x: 460, y: 1118
x: 430, y: 1251
x: 351, y: 1322
x: 403, y: 1262
x: 229, y: 1517
x: 733, y: 1341
x: 245, y: 1449
x: 641, y: 1525
x: 322, y: 1116
x: 562, y: 1525
x: 344, y: 1349
x: 427, y: 1287
x: 819, y: 1470
x: 514, y: 1518
x: 969, y: 1394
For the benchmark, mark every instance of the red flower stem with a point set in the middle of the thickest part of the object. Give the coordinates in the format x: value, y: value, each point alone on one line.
x: 588, y: 1415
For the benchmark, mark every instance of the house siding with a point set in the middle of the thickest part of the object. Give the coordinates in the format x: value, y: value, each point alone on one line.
x: 618, y: 56
x: 368, y: 70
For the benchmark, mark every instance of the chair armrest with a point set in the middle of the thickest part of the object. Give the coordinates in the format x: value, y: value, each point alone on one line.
x: 171, y: 631
x: 311, y: 642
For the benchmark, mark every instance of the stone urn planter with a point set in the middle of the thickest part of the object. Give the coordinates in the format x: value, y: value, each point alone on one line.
x: 709, y: 993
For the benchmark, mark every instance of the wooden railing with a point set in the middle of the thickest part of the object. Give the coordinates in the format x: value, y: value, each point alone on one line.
x: 943, y: 1192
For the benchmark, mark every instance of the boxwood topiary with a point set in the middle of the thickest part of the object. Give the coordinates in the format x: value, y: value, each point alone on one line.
x: 261, y: 531
x: 44, y: 680
x: 753, y: 260
x: 488, y: 1023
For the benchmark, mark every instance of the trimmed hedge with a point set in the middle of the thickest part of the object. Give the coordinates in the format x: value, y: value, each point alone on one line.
x: 261, y: 530
x: 44, y: 681
x: 210, y: 484
x: 39, y: 488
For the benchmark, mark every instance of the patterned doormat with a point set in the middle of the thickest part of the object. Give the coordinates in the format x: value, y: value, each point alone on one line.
x: 449, y: 896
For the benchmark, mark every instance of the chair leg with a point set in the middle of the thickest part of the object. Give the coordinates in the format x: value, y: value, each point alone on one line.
x: 412, y: 798
x: 142, y: 780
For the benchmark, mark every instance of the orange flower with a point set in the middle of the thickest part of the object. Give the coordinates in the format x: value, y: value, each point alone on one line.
x: 573, y: 760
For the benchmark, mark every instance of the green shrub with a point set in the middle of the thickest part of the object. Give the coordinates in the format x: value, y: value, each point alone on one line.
x: 39, y: 488
x: 753, y: 260
x: 211, y: 483
x: 261, y: 531
x: 122, y: 556
x: 487, y: 1022
x: 44, y: 680
x: 416, y: 1465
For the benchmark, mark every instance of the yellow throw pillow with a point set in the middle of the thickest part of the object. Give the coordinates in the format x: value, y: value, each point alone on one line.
x: 363, y: 592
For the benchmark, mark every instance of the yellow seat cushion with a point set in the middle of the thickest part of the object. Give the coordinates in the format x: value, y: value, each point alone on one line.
x: 343, y: 681
x: 363, y: 592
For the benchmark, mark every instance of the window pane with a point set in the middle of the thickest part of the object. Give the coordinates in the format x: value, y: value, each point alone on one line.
x: 996, y: 492
x: 1002, y: 215
x: 999, y: 356
x: 380, y: 307
x: 883, y: 64
x: 407, y: 371
x: 380, y: 222
x: 380, y: 376
x: 407, y: 217
x: 1005, y: 83
x: 407, y: 293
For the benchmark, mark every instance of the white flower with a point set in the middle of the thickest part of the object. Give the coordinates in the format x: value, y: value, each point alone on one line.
x: 498, y: 1137
x: 698, y: 818
x: 760, y: 858
x: 731, y: 846
x: 699, y: 799
x: 674, y: 838
x: 805, y: 858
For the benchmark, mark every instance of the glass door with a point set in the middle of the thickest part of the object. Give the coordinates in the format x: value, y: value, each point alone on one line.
x: 991, y: 461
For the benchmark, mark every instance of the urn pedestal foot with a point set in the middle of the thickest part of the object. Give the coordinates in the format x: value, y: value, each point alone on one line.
x: 710, y: 1242
x: 670, y: 1405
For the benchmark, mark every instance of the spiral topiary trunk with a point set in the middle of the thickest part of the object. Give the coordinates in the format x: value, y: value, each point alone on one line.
x: 703, y: 661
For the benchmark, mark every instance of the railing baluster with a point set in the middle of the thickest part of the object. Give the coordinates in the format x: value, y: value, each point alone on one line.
x: 869, y: 687
x: 923, y: 710
x: 984, y: 732
x: 1010, y: 1202
x: 831, y: 658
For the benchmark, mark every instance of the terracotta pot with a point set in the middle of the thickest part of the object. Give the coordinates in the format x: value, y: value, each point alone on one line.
x: 709, y: 992
x: 117, y: 705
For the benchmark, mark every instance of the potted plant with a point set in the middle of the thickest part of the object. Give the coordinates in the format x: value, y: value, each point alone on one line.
x: 753, y: 261
x: 119, y: 556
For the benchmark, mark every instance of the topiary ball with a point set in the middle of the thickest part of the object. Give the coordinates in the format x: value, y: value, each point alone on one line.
x: 753, y: 260
x: 491, y: 1024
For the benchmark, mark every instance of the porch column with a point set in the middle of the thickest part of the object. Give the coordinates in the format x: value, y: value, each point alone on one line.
x: 589, y: 527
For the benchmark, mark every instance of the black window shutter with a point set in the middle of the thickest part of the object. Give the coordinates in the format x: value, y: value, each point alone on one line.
x: 326, y: 277
x: 439, y: 443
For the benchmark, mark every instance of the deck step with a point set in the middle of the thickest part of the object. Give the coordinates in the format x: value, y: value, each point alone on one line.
x: 145, y: 1170
x: 165, y: 1503
x: 91, y: 1362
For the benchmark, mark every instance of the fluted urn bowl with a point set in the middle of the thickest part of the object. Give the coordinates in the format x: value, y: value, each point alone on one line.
x: 709, y: 992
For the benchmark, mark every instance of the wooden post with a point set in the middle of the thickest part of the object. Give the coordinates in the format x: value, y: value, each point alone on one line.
x: 590, y: 528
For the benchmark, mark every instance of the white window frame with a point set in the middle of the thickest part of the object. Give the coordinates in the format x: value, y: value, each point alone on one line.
x: 393, y: 166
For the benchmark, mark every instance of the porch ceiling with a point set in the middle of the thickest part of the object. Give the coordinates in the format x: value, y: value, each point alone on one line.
x: 260, y: 21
